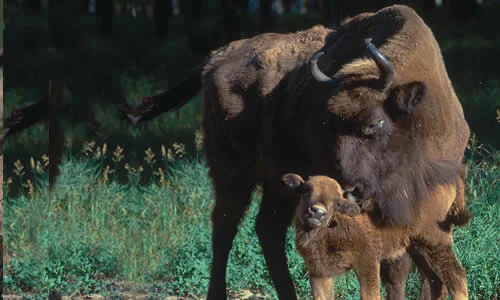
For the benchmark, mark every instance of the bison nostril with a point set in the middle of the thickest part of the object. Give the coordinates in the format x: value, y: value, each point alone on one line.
x: 317, y: 211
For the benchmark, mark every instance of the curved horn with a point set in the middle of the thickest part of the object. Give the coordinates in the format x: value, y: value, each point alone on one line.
x: 385, y: 66
x: 316, y: 72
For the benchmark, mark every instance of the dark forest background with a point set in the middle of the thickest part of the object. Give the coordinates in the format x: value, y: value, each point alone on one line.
x: 110, y: 57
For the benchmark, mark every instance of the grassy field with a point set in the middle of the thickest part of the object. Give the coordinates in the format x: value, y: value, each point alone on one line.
x: 95, y: 232
x: 130, y: 212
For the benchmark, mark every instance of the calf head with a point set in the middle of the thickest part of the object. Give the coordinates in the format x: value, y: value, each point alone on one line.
x: 320, y: 198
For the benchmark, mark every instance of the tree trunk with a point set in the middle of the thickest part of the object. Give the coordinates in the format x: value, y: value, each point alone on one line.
x: 330, y: 12
x: 162, y: 9
x: 231, y: 23
x: 56, y: 133
x: 32, y: 6
x: 84, y: 7
x: 428, y: 5
x: 266, y: 15
x: 464, y: 9
x: 105, y: 11
x: 192, y: 18
x: 56, y: 22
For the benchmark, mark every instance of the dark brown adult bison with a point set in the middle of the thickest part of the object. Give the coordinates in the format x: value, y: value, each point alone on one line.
x: 370, y: 105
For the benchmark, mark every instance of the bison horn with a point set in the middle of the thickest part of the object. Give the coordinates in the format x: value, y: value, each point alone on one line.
x: 316, y: 72
x: 386, y: 69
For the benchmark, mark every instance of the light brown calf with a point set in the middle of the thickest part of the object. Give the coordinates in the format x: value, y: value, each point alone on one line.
x: 333, y: 238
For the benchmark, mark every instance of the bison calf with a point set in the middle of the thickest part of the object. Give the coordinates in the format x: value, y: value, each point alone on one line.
x: 333, y: 238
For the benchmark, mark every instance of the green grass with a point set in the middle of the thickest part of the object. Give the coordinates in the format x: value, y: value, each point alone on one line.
x: 95, y: 232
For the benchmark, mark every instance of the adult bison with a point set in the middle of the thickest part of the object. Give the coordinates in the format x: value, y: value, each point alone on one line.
x: 370, y: 105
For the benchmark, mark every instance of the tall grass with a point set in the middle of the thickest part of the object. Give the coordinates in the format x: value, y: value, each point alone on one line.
x: 94, y: 232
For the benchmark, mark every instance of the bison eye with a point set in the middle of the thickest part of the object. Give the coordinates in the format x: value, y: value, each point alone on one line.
x: 373, y: 127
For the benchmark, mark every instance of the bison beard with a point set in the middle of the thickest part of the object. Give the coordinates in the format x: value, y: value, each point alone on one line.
x: 389, y: 115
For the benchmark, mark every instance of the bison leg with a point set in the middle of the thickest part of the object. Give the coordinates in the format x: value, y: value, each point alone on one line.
x: 393, y: 273
x: 322, y: 288
x: 232, y: 193
x: 441, y: 260
x: 276, y: 212
x: 431, y: 287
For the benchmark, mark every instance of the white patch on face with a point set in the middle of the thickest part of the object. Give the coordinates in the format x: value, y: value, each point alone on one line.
x: 351, y: 197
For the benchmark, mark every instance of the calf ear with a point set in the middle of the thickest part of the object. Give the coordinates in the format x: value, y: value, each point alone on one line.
x: 292, y: 181
x: 405, y: 97
x: 346, y: 207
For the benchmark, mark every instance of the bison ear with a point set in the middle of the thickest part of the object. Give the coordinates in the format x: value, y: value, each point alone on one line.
x: 346, y: 207
x: 405, y: 97
x: 292, y: 181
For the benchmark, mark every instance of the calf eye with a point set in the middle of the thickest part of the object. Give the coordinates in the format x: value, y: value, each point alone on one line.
x: 306, y: 192
x: 373, y: 127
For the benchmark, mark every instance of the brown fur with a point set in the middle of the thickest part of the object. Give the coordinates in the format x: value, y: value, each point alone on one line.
x: 264, y: 116
x: 337, y: 242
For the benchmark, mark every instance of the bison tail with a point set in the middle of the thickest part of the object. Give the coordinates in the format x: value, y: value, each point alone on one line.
x: 175, y: 98
x: 170, y: 100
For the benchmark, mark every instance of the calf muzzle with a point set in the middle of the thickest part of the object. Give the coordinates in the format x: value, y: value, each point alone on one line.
x: 315, y: 215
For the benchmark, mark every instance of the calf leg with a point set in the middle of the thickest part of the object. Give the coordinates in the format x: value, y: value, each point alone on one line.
x: 394, y: 273
x: 275, y: 214
x: 369, y: 280
x: 444, y: 264
x: 322, y: 288
x: 232, y: 193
